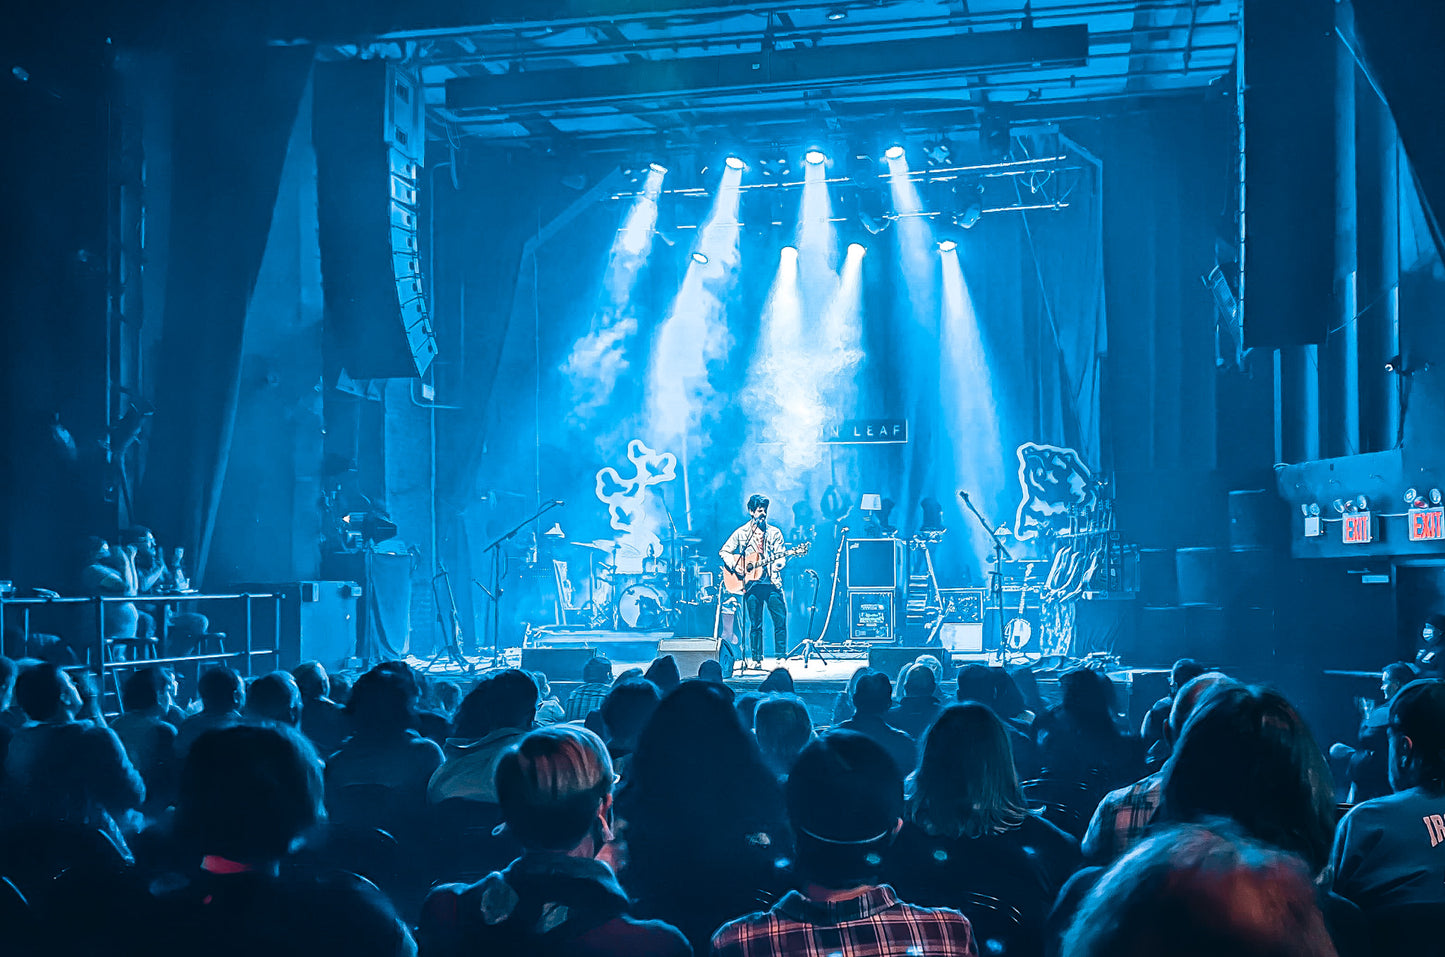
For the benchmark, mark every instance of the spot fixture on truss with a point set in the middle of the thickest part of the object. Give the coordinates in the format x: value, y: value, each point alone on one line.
x: 699, y: 257
x: 837, y: 13
x: 815, y: 157
x: 894, y: 152
x: 856, y: 249
x: 938, y: 151
x: 735, y: 162
x: 947, y: 245
x: 657, y: 168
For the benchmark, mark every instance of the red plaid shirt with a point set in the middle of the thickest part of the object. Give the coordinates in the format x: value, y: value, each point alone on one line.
x: 873, y: 924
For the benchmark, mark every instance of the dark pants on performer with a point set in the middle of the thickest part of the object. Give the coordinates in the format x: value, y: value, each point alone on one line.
x: 758, y: 595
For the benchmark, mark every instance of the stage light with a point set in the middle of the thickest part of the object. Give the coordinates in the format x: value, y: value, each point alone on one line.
x: 894, y: 152
x: 789, y: 252
x: 815, y: 157
x: 657, y: 168
x: 699, y: 257
x: 856, y: 249
x: 735, y: 162
x: 947, y: 245
x: 938, y: 152
x: 968, y: 217
x: 837, y: 13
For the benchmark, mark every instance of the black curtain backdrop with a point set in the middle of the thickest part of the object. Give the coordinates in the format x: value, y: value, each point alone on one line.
x: 234, y: 106
x: 482, y: 231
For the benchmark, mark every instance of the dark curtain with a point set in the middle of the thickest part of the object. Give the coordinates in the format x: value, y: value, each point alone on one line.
x: 482, y: 231
x: 234, y: 107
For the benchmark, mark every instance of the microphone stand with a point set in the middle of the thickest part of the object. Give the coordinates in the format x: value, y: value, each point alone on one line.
x: 1000, y: 552
x: 494, y: 617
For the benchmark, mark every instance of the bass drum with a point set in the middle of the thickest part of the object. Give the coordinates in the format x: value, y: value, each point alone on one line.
x: 643, y: 607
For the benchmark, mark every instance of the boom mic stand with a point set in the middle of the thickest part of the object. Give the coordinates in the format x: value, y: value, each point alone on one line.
x: 494, y: 615
x: 1000, y: 552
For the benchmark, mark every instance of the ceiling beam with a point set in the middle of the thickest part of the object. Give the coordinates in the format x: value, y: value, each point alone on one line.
x: 997, y: 51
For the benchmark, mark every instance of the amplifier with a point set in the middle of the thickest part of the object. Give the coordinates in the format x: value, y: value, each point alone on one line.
x: 871, y: 615
x: 873, y: 563
x: 962, y: 605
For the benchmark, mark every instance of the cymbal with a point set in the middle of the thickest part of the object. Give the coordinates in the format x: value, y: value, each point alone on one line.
x: 595, y: 546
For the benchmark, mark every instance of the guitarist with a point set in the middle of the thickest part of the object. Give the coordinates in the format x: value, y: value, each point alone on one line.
x: 753, y: 541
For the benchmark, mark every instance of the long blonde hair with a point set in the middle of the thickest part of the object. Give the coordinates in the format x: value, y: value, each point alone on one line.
x: 966, y: 784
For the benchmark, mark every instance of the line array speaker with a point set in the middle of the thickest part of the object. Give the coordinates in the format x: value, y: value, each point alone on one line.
x: 369, y: 136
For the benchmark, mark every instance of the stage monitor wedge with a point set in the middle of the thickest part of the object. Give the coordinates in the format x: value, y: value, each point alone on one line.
x: 369, y: 136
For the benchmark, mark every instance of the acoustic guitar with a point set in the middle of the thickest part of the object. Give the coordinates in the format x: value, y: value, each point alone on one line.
x: 737, y: 578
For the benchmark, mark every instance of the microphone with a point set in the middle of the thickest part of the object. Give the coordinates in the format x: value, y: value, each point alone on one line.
x: 963, y: 495
x: 556, y: 501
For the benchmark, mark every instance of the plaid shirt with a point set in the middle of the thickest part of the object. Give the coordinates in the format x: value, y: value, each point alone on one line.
x: 586, y: 699
x: 1120, y: 819
x: 873, y: 924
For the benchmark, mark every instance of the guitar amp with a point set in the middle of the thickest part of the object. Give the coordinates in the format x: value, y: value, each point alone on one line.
x: 962, y: 605
x: 872, y: 615
x: 873, y: 563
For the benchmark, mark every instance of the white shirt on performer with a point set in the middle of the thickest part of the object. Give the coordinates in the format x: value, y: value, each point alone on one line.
x: 754, y: 544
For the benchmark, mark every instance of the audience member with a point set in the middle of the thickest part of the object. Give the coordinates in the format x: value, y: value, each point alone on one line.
x: 845, y: 799
x: 1123, y: 815
x: 625, y: 712
x: 549, y: 709
x: 920, y: 703
x: 783, y: 728
x: 1366, y: 765
x: 222, y: 693
x: 555, y: 792
x: 62, y: 769
x: 710, y: 670
x: 322, y: 720
x: 1153, y: 731
x: 778, y: 681
x: 1246, y: 754
x: 969, y: 832
x: 449, y: 697
x: 588, y: 696
x: 247, y: 796
x: 664, y: 674
x: 274, y: 697
x: 843, y: 701
x: 430, y: 723
x: 383, y: 751
x: 871, y: 701
x: 341, y: 689
x: 988, y: 686
x: 149, y: 739
x: 1193, y: 891
x: 154, y: 577
x: 471, y: 767
x: 746, y: 705
x: 109, y: 573
x: 699, y: 800
x: 1080, y: 742
x: 1388, y: 850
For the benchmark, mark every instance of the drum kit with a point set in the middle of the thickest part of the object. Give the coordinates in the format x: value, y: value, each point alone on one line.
x: 656, y: 592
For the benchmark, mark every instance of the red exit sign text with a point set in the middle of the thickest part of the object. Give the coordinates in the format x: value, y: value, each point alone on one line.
x: 1427, y: 524
x: 1358, y: 528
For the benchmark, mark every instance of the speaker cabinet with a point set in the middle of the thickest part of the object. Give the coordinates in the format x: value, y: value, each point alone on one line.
x: 369, y: 140
x: 873, y: 563
x: 872, y: 615
x: 1288, y: 79
x: 318, y: 622
x: 558, y: 664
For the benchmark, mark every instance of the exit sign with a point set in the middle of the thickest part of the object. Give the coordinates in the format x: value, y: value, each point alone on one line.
x: 1427, y: 524
x: 1358, y: 528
